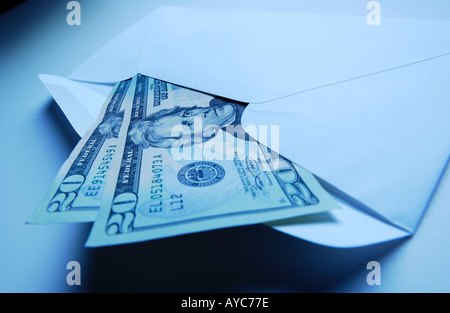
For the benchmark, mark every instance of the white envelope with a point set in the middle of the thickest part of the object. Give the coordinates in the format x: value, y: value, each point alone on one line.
x: 364, y: 108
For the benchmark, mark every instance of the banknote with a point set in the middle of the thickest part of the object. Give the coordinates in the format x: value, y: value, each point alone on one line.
x: 77, y: 190
x: 187, y: 165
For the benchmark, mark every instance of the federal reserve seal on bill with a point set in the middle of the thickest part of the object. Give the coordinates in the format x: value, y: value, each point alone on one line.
x: 201, y: 174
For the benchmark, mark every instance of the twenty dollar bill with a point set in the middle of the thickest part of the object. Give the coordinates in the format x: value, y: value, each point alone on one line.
x: 77, y: 191
x: 186, y: 165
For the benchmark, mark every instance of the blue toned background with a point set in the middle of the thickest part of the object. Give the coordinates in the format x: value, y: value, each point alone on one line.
x: 35, y: 139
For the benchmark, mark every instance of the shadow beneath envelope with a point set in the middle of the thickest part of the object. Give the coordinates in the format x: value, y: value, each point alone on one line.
x: 316, y: 218
x: 240, y: 259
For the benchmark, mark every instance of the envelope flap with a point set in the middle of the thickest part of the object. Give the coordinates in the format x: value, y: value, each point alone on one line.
x: 382, y: 139
x: 259, y: 56
x: 117, y: 60
x: 80, y: 102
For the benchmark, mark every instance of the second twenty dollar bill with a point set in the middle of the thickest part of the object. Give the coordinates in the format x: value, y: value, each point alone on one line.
x: 182, y: 170
x: 77, y: 191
